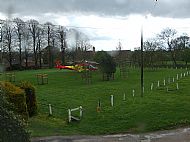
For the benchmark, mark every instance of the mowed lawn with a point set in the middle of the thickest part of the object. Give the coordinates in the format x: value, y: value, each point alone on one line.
x: 158, y: 109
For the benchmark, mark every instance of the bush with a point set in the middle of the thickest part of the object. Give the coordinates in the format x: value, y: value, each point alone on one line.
x: 16, y: 96
x: 106, y: 63
x: 11, y: 127
x: 30, y: 97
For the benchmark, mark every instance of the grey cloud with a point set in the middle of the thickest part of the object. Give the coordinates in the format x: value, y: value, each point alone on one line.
x: 165, y: 8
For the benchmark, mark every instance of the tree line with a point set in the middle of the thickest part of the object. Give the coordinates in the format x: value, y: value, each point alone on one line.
x: 166, y: 47
x: 21, y: 40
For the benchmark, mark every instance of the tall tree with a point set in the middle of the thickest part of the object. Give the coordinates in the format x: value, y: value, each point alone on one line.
x: 19, y: 27
x: 167, y: 36
x: 49, y: 31
x: 33, y: 28
x: 61, y: 35
x: 150, y: 47
x: 40, y: 35
x: 79, y: 41
x: 183, y: 48
x: 26, y: 44
x: 7, y: 40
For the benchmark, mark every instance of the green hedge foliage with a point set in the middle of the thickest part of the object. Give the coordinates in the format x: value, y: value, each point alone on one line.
x: 30, y: 97
x: 15, y: 96
x: 12, y: 129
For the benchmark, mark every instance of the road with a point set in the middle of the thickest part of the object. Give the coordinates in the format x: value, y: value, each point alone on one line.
x: 177, y: 135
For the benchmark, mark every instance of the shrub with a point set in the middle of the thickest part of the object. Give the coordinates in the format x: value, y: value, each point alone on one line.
x: 11, y: 127
x: 30, y: 97
x: 16, y: 96
x: 106, y: 63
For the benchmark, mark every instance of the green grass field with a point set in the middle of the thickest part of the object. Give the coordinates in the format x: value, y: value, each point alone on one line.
x: 157, y: 110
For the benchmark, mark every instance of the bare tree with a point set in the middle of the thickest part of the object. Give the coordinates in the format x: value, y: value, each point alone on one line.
x: 61, y: 35
x: 7, y: 40
x: 33, y: 28
x: 182, y: 44
x: 40, y: 42
x: 168, y: 36
x: 49, y: 31
x: 150, y: 47
x: 26, y: 45
x: 80, y: 42
x: 19, y: 27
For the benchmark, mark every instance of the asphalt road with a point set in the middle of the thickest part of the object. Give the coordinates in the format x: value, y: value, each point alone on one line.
x: 177, y: 135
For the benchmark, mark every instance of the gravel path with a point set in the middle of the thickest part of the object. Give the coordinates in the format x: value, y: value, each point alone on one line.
x: 178, y: 135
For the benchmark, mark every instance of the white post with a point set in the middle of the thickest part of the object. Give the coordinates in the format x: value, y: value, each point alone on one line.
x: 50, y: 110
x: 176, y: 68
x: 124, y: 97
x: 173, y: 79
x: 80, y: 111
x: 184, y: 74
x: 69, y: 114
x: 133, y: 92
x: 151, y: 88
x: 177, y: 77
x: 177, y: 86
x: 164, y: 82
x: 187, y: 73
x: 158, y: 83
x: 111, y: 100
x: 181, y: 75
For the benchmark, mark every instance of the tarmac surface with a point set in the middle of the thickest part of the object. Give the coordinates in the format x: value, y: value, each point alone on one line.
x: 177, y: 135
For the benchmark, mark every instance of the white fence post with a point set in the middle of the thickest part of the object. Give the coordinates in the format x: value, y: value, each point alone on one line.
x: 177, y: 86
x: 50, y: 110
x: 133, y: 93
x: 158, y: 83
x: 173, y: 79
x: 112, y: 100
x: 152, y: 85
x: 69, y: 114
x: 80, y: 111
x: 177, y: 77
x: 164, y: 82
x: 124, y: 97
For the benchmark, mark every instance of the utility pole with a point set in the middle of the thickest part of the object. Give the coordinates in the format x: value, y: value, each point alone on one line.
x: 1, y: 43
x: 142, y: 59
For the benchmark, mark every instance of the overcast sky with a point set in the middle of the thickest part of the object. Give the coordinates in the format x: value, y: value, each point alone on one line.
x: 107, y: 21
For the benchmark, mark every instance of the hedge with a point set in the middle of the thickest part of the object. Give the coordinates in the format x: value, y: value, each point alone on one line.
x: 15, y: 96
x: 12, y: 129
